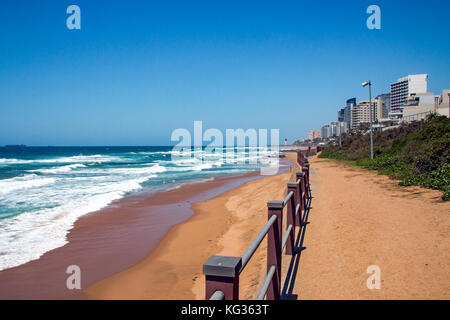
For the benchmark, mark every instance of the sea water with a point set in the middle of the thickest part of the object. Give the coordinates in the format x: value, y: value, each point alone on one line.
x: 44, y: 190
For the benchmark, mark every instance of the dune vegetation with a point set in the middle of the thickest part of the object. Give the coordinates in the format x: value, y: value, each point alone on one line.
x: 415, y: 153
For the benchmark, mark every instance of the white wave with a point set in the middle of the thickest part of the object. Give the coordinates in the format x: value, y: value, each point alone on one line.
x: 137, y: 171
x: 66, y: 168
x: 85, y: 159
x: 154, y: 152
x: 202, y: 166
x: 53, y: 204
x: 29, y: 235
x: 24, y: 182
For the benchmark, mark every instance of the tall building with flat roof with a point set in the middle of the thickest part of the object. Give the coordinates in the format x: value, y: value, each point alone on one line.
x: 386, y: 99
x: 361, y: 113
x: 351, y: 103
x: 326, y: 131
x: 403, y: 88
x: 341, y: 115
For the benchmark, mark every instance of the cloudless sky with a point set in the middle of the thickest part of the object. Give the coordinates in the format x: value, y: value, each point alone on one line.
x: 137, y: 70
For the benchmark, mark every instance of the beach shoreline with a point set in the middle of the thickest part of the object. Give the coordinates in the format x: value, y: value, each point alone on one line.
x: 173, y: 270
x: 112, y: 239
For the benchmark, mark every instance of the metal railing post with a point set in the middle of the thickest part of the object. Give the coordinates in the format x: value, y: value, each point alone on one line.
x: 302, y: 194
x: 298, y: 199
x: 275, y: 207
x: 222, y: 274
x: 305, y: 170
x: 300, y: 158
x: 292, y: 204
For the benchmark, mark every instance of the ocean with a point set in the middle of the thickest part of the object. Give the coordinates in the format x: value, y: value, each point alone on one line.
x: 44, y: 190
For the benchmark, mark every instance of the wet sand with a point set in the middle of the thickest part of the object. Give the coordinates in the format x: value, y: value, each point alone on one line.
x: 359, y: 218
x: 110, y: 240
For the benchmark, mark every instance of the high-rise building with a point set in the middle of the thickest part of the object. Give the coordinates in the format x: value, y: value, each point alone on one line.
x: 351, y: 103
x: 341, y: 129
x: 403, y: 88
x: 326, y: 131
x: 361, y: 112
x: 386, y: 99
x: 334, y: 128
x: 341, y: 115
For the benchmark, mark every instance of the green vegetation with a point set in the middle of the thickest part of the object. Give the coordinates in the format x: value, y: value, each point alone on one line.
x: 417, y: 153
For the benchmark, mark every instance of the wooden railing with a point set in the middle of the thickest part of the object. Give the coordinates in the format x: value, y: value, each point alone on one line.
x: 222, y: 273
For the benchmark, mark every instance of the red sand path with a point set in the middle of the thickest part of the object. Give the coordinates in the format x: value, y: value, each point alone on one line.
x: 359, y: 218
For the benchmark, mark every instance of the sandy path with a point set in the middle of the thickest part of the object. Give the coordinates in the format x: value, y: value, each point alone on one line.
x: 358, y: 219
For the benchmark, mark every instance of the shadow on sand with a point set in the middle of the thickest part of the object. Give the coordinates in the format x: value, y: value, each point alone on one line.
x: 288, y: 287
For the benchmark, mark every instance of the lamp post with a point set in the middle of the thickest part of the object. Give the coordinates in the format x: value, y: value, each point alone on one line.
x: 370, y: 113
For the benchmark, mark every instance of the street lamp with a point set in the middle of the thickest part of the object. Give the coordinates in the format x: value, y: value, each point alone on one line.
x: 370, y: 112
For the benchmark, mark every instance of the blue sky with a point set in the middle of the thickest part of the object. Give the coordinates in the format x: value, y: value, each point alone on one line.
x: 137, y: 70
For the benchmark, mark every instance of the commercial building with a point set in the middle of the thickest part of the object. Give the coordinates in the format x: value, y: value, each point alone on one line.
x: 403, y: 88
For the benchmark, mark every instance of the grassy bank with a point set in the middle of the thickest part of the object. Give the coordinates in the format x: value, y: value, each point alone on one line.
x: 417, y: 153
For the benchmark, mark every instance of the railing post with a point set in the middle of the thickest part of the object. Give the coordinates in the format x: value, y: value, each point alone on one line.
x: 302, y: 193
x: 300, y: 158
x: 275, y: 207
x: 309, y: 186
x: 305, y: 170
x: 222, y: 273
x: 292, y: 204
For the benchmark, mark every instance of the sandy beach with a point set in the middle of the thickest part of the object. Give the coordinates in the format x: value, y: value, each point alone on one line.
x: 113, y: 239
x: 224, y: 225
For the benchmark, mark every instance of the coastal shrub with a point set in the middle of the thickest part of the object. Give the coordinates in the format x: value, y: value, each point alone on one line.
x: 416, y: 153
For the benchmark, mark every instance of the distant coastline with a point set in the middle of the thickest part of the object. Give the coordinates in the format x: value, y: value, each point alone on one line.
x: 15, y: 146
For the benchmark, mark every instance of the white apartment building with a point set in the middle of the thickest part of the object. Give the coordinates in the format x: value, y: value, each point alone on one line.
x: 338, y: 128
x: 403, y: 88
x: 361, y: 112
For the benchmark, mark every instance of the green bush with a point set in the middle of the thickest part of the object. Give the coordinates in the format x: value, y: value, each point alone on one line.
x: 417, y: 153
